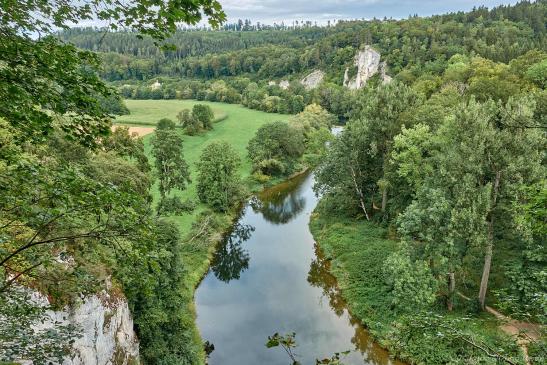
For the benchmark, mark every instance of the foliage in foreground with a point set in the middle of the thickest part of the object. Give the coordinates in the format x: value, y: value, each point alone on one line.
x: 288, y: 343
x: 72, y: 196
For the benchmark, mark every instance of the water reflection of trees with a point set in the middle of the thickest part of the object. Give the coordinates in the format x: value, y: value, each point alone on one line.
x: 320, y: 277
x: 279, y: 207
x: 231, y: 259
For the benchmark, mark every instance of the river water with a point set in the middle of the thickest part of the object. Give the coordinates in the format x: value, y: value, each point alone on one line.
x: 269, y: 276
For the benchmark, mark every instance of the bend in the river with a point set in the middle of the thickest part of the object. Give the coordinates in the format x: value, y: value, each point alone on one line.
x: 269, y: 276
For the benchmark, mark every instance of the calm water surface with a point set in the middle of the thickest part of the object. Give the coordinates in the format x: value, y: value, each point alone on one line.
x: 269, y: 277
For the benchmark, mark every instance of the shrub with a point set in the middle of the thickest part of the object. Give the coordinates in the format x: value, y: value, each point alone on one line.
x: 275, y: 148
x: 175, y: 206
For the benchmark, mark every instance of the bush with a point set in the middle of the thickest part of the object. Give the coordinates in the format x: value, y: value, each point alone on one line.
x: 275, y: 148
x: 175, y: 206
x: 204, y: 114
x: 271, y: 167
x: 261, y: 178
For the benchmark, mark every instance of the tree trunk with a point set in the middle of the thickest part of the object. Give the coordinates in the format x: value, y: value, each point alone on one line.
x: 490, y: 246
x: 359, y: 193
x: 384, y: 199
x: 451, y: 291
x: 485, y: 275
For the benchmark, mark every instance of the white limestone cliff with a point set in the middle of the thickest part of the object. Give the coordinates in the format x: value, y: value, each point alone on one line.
x: 106, y: 330
x: 156, y: 85
x: 313, y: 80
x: 284, y: 84
x: 368, y: 64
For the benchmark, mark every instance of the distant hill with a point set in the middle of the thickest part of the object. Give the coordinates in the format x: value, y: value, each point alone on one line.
x: 265, y: 52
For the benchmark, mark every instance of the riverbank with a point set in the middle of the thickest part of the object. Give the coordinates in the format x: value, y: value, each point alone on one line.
x: 357, y: 250
x: 201, y: 230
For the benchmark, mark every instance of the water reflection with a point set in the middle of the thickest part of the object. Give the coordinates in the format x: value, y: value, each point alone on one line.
x: 319, y: 276
x: 278, y: 282
x: 231, y: 259
x: 283, y: 202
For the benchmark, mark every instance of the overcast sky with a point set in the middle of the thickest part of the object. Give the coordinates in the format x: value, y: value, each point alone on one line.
x: 270, y: 11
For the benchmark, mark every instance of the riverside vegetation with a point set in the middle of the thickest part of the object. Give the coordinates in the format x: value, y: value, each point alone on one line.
x: 433, y: 196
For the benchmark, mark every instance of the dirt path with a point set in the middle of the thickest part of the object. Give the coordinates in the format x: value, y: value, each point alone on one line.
x: 140, y: 131
x: 522, y: 332
x: 513, y: 327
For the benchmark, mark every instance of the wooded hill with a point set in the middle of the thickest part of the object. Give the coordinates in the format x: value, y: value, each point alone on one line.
x: 416, y: 45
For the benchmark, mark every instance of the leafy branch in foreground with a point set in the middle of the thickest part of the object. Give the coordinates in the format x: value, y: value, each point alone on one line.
x: 288, y: 343
x: 149, y: 17
x: 453, y: 332
x: 22, y: 338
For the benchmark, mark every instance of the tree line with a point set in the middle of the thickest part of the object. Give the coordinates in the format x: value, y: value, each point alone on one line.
x: 499, y: 34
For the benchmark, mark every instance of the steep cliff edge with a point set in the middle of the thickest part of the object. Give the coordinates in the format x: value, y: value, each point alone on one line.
x: 106, y: 330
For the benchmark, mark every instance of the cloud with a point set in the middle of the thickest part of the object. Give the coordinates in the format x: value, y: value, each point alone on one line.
x: 270, y: 11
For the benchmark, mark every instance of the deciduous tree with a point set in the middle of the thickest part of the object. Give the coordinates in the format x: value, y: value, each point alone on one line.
x: 218, y: 182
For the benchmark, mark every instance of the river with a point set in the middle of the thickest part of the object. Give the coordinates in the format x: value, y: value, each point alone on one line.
x: 269, y: 276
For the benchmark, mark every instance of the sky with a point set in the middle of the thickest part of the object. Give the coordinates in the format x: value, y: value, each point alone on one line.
x: 270, y: 11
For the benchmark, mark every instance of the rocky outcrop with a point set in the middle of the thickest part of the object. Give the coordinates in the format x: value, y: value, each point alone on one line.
x: 385, y: 77
x: 368, y: 64
x: 313, y: 80
x: 284, y: 84
x: 106, y: 330
x: 156, y: 85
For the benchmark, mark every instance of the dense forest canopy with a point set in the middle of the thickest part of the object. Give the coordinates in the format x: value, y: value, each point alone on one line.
x: 499, y: 34
x: 490, y: 50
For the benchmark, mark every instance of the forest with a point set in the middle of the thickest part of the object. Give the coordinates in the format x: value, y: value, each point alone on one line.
x: 432, y: 198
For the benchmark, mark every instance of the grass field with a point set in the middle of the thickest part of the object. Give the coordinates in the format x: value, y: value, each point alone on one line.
x: 149, y: 112
x: 237, y: 127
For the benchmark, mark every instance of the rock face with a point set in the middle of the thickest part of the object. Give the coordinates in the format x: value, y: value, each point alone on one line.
x: 156, y: 85
x: 284, y: 84
x: 313, y: 79
x: 386, y: 79
x: 106, y: 329
x: 368, y: 64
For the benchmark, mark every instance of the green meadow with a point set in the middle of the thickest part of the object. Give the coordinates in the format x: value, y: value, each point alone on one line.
x: 237, y: 126
x: 149, y: 112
